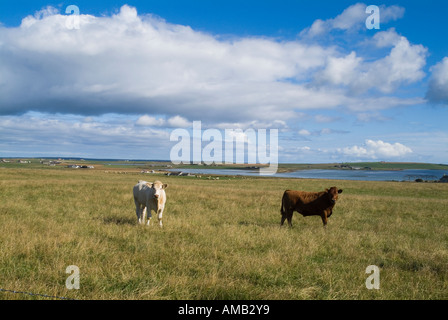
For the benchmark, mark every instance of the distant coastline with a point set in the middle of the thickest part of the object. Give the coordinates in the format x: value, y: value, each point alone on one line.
x: 282, y: 167
x: 368, y: 171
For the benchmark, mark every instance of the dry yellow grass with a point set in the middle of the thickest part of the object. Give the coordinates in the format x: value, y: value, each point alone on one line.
x: 221, y: 239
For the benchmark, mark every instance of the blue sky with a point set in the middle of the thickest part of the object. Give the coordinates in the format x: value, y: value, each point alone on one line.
x: 134, y: 71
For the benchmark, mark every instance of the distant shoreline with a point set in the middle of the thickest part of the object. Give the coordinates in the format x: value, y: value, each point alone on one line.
x: 282, y: 167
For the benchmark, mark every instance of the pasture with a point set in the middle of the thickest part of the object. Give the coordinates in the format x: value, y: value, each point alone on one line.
x: 221, y: 239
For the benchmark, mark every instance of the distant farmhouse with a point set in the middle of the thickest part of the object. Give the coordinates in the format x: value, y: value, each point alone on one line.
x: 349, y: 167
x: 75, y: 166
x: 51, y: 163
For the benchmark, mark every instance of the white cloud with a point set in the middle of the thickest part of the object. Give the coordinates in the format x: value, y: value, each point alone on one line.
x: 74, y: 135
x: 376, y: 149
x: 402, y: 66
x: 304, y: 132
x: 179, y: 122
x: 438, y: 83
x: 386, y: 38
x: 385, y: 149
x: 173, y: 122
x: 352, y: 19
x: 146, y: 120
x: 139, y: 64
x: 341, y: 70
x: 318, y: 27
x: 355, y: 151
x: 391, y: 13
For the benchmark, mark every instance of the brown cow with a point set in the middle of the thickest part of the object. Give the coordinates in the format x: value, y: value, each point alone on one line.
x: 309, y: 204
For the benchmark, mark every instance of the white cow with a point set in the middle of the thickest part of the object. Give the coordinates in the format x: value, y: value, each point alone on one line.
x: 149, y: 196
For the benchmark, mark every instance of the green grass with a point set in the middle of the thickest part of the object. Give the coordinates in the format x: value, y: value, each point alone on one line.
x: 221, y: 239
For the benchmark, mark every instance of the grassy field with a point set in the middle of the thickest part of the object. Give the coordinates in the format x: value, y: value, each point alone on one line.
x: 221, y: 239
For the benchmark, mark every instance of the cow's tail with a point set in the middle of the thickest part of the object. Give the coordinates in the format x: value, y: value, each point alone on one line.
x: 282, y: 209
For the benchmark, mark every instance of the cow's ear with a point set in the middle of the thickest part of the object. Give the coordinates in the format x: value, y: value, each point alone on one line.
x: 340, y: 191
x: 165, y: 186
x: 150, y: 184
x: 326, y: 190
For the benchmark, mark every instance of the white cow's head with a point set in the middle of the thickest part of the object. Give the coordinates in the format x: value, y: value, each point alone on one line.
x: 158, y: 187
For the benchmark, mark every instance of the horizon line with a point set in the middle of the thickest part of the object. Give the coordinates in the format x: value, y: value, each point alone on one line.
x: 164, y: 160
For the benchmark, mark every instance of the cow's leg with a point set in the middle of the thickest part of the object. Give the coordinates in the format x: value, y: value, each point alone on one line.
x: 324, y: 218
x: 289, y: 217
x: 282, y: 211
x: 283, y: 218
x: 159, y: 215
x: 148, y: 222
x: 148, y: 212
x: 144, y: 213
x: 140, y: 213
x: 138, y: 210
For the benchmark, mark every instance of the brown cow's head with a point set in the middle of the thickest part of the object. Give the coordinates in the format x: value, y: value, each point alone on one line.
x: 333, y: 194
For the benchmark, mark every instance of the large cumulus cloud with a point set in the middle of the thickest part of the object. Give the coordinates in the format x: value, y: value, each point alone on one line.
x: 140, y: 64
